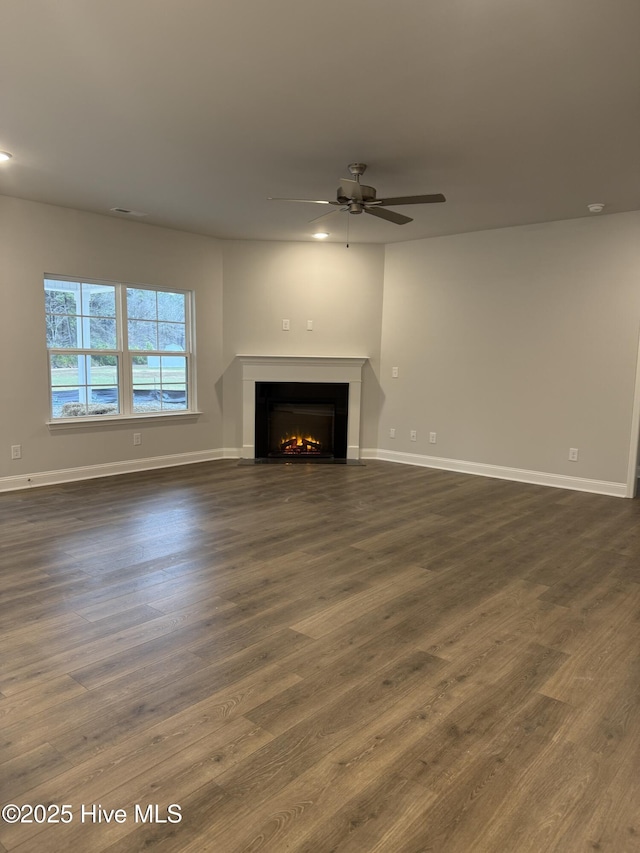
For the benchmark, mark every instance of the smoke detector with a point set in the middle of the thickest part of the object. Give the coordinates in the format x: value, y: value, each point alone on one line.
x: 597, y: 207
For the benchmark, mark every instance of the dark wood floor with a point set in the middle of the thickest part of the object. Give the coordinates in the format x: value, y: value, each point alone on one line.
x: 320, y: 658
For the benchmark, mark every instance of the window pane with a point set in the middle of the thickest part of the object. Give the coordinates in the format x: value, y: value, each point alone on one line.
x: 65, y: 370
x: 73, y: 406
x: 61, y: 395
x: 103, y: 370
x: 149, y: 373
x: 146, y: 398
x: 174, y: 368
x: 141, y: 304
x: 143, y: 335
x: 99, y: 300
x: 171, y: 337
x: 150, y: 398
x: 103, y: 401
x: 174, y: 397
x: 62, y: 297
x: 101, y: 333
x: 62, y: 331
x: 171, y: 306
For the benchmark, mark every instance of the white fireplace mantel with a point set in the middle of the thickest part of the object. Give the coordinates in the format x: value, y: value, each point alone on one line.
x: 302, y: 368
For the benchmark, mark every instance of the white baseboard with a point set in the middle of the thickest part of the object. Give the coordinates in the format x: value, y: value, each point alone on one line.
x: 539, y: 478
x: 231, y: 453
x: 90, y: 472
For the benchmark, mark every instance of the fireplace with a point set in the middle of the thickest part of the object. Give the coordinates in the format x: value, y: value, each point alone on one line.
x: 314, y: 371
x: 301, y: 421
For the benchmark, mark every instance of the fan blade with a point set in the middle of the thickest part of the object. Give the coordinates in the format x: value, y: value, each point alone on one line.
x: 413, y: 199
x: 327, y: 215
x: 389, y: 215
x: 304, y: 200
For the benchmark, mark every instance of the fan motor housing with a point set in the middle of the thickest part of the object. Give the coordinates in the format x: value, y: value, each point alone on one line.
x: 345, y: 193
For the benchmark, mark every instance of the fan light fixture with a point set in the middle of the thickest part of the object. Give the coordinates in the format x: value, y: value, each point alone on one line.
x: 321, y: 235
x: 4, y: 155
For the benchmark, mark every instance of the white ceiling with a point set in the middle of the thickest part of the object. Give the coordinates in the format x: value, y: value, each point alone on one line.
x: 195, y: 111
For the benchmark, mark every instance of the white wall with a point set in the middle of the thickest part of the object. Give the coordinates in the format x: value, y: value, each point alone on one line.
x: 514, y: 345
x: 36, y: 239
x: 339, y: 289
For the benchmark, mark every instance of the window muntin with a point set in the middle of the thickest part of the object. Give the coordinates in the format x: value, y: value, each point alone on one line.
x: 116, y: 349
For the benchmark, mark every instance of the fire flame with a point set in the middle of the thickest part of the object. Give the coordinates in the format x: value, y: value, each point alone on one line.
x: 294, y: 443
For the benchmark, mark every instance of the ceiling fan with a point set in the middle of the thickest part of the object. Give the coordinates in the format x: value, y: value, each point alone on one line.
x: 354, y: 197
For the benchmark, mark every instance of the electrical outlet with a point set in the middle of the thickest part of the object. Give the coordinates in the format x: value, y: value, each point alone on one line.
x: 414, y: 435
x: 394, y: 372
x: 432, y: 438
x: 573, y: 454
x: 137, y: 438
x: 392, y: 433
x: 16, y: 451
x: 285, y: 325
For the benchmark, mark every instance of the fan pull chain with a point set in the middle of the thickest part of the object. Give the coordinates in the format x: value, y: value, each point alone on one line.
x: 348, y: 218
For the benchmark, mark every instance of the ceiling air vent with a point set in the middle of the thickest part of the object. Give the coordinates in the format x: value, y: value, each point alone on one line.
x: 126, y: 212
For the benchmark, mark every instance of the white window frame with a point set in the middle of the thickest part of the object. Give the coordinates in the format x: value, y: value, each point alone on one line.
x: 125, y: 358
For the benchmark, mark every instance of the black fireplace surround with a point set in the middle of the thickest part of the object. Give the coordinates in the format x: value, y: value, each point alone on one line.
x: 301, y: 421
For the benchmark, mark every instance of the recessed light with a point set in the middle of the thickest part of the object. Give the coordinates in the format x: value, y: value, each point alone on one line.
x: 596, y: 207
x: 4, y: 155
x: 321, y: 235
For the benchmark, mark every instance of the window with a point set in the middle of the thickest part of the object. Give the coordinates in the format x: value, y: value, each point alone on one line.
x: 117, y: 350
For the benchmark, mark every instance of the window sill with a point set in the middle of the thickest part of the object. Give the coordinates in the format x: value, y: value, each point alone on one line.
x: 101, y: 421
